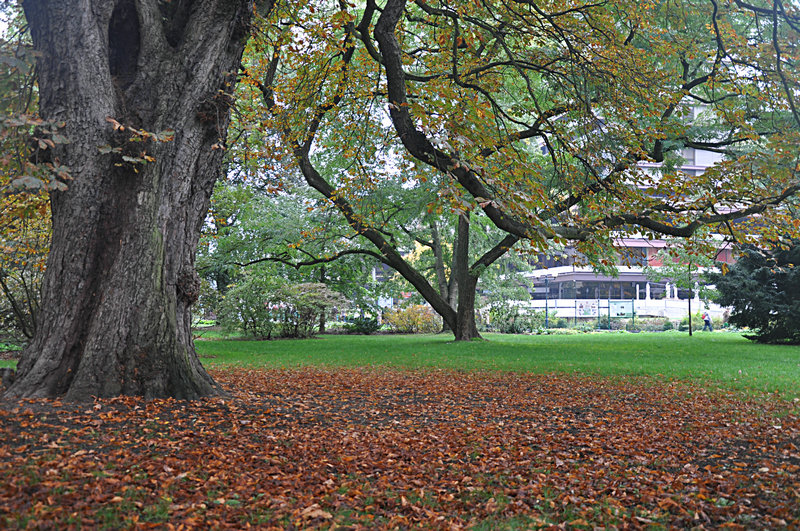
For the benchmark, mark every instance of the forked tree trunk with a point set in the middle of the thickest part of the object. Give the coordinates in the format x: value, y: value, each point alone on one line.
x: 120, y: 277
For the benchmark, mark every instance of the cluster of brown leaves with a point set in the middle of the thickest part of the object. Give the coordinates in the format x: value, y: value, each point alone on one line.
x: 353, y: 448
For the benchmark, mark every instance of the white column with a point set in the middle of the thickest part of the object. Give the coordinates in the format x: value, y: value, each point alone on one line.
x: 668, y: 289
x: 637, y: 292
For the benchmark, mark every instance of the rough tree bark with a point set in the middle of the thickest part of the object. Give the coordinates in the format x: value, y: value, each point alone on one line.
x: 120, y: 277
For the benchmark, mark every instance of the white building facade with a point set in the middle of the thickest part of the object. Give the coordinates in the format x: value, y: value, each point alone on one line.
x: 577, y: 292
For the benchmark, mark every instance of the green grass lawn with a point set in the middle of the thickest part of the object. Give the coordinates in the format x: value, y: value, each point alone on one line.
x: 720, y: 358
x: 716, y: 359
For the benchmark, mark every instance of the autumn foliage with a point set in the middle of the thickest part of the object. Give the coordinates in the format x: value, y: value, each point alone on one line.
x: 313, y: 449
x: 560, y: 122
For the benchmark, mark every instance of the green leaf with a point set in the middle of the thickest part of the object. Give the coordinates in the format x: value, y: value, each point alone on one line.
x: 29, y: 182
x: 106, y: 149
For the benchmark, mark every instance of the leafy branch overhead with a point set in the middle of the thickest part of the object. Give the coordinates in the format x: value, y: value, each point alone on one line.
x: 559, y: 123
x: 605, y: 90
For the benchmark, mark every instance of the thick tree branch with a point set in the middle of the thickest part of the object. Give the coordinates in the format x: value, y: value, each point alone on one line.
x: 493, y: 254
x: 314, y: 261
x: 688, y: 229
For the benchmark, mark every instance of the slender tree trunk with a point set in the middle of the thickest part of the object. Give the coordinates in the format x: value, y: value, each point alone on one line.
x: 120, y: 278
x: 439, y: 269
x: 438, y: 254
x: 459, y: 264
x: 322, y: 321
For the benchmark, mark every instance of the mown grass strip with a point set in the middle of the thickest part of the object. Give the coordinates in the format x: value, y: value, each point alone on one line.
x: 719, y: 358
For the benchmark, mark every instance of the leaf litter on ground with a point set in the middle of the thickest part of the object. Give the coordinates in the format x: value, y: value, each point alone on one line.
x: 355, y: 448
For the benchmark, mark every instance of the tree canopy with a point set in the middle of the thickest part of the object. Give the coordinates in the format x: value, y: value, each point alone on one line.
x: 606, y: 90
x: 561, y: 122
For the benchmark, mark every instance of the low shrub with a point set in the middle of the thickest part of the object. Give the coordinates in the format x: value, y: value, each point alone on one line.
x: 586, y: 326
x: 556, y: 332
x: 504, y: 318
x: 697, y: 323
x: 633, y: 326
x: 415, y: 319
x: 263, y: 307
x: 244, y: 309
x: 299, y: 307
x: 362, y: 325
x: 648, y: 324
x: 560, y: 323
x: 509, y: 319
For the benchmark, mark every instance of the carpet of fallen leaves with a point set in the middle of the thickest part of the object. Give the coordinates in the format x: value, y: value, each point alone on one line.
x: 378, y: 448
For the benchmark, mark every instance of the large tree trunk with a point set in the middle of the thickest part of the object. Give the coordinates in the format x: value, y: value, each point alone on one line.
x: 465, y: 329
x: 120, y: 277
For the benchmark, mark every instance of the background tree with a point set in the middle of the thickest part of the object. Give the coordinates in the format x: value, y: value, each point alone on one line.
x: 762, y: 288
x: 146, y: 119
x: 355, y: 167
x: 314, y: 243
x: 278, y: 233
x: 24, y: 180
x: 228, y: 202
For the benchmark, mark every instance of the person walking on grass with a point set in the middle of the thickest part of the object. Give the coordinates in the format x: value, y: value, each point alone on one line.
x: 707, y: 322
